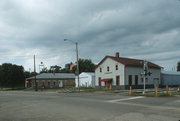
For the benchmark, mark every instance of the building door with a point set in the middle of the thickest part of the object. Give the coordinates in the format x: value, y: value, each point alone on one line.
x: 130, y: 80
x: 108, y: 84
x: 117, y: 80
x: 30, y: 84
x: 136, y: 80
x: 99, y: 82
x: 61, y: 84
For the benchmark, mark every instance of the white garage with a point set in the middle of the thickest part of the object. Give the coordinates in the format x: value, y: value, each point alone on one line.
x: 86, y: 79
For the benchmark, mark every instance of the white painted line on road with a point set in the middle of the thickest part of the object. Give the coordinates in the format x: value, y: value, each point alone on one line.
x: 124, y: 99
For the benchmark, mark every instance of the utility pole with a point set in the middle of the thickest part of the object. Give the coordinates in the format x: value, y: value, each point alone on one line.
x: 35, y: 74
x: 77, y: 64
x: 77, y: 59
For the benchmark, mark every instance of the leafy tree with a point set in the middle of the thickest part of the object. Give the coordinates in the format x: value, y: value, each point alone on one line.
x: 85, y: 65
x: 11, y: 75
x: 178, y: 66
x: 65, y: 70
x: 55, y: 69
x: 28, y: 74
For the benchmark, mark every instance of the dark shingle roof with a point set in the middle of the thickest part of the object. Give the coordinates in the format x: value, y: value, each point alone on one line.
x: 130, y: 62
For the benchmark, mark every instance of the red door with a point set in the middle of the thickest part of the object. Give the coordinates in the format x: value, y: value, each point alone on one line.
x: 130, y: 80
x: 117, y: 80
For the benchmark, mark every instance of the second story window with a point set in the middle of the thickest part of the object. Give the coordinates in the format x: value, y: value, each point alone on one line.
x: 116, y: 67
x: 108, y: 68
x: 100, y: 69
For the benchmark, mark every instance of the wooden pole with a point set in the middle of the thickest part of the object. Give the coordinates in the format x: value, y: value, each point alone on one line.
x: 36, y: 89
x: 156, y: 90
x: 130, y: 91
x: 170, y: 94
x: 167, y: 89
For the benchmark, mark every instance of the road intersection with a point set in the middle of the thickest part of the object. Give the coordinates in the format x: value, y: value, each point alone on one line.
x: 53, y: 106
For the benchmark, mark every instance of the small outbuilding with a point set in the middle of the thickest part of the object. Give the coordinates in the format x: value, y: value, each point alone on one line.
x: 86, y: 79
x: 51, y: 80
x: 170, y: 78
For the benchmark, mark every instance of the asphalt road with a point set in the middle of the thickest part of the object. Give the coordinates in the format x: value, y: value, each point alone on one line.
x: 52, y: 106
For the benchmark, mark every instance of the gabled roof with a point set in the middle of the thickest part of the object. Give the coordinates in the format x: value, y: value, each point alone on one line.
x: 130, y: 62
x: 54, y: 76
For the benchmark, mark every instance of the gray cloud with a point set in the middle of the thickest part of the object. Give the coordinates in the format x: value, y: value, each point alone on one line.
x: 139, y: 29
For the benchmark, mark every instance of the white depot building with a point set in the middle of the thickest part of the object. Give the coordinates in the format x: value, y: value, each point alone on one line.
x: 119, y: 72
x: 86, y: 79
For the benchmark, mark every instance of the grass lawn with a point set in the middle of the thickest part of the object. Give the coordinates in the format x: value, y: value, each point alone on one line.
x: 10, y: 88
x: 159, y: 94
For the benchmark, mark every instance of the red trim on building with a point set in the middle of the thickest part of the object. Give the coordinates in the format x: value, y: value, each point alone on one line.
x: 106, y: 80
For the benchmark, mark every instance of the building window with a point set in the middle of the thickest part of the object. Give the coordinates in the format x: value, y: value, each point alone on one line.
x: 43, y: 85
x: 116, y: 67
x: 117, y: 80
x: 100, y: 69
x: 146, y: 79
x: 54, y: 83
x: 136, y: 79
x: 48, y: 83
x: 99, y: 81
x: 130, y: 80
x: 30, y: 84
x: 108, y: 68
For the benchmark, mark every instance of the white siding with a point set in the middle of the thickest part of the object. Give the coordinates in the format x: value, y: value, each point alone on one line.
x: 137, y: 71
x: 112, y: 72
x: 85, y: 80
x: 124, y: 73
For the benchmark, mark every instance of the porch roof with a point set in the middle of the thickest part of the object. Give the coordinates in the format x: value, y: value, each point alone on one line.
x: 106, y: 80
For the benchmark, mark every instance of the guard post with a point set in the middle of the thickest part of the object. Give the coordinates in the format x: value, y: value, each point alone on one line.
x: 130, y: 91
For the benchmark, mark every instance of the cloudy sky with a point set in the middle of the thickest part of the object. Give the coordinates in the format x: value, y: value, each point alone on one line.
x: 141, y: 29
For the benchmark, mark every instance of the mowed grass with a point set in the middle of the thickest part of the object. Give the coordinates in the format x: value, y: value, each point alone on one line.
x: 10, y: 88
x: 171, y: 94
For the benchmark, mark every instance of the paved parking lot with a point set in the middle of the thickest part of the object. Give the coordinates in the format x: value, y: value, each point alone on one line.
x: 52, y: 106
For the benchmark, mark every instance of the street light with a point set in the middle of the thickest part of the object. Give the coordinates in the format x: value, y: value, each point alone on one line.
x: 76, y: 58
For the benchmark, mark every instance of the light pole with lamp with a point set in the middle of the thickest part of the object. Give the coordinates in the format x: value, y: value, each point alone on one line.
x: 76, y: 43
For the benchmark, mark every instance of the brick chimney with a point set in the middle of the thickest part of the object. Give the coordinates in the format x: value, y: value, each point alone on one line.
x: 117, y: 55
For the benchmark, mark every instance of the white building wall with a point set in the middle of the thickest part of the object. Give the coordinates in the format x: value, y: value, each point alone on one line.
x: 112, y: 72
x: 137, y: 71
x: 85, y: 80
x: 93, y: 81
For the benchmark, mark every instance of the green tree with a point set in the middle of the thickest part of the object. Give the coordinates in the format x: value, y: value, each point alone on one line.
x: 11, y: 75
x: 28, y: 74
x: 65, y: 70
x: 178, y: 66
x: 54, y: 69
x: 85, y: 65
